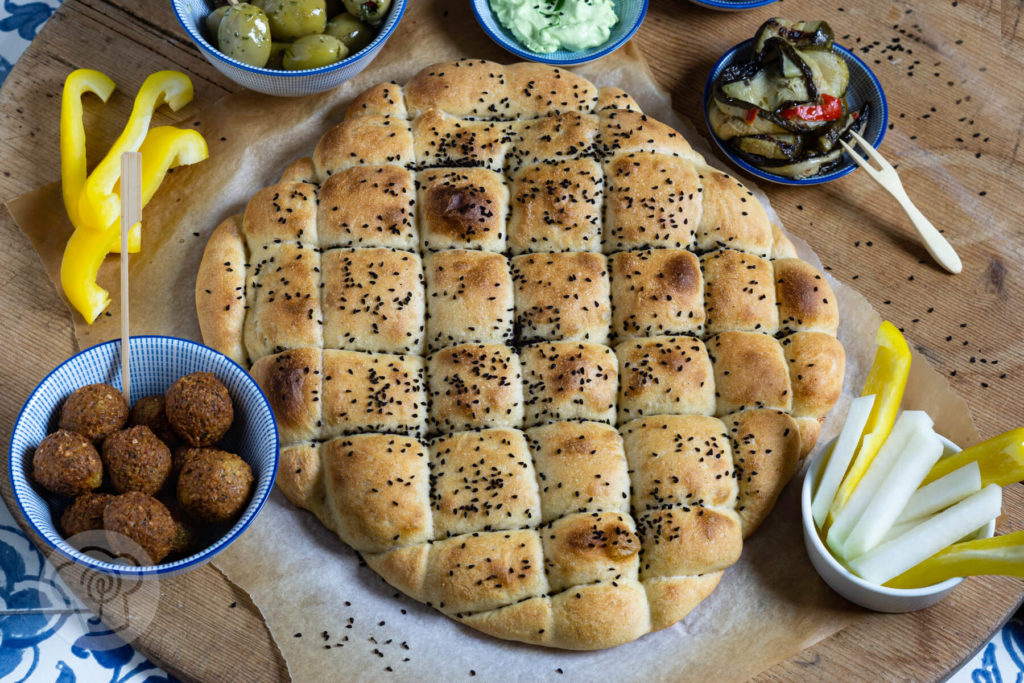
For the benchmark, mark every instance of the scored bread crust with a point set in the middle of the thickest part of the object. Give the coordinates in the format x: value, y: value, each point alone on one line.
x: 528, y: 354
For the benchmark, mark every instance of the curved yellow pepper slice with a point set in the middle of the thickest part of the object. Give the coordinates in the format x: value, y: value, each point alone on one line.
x: 99, y: 205
x: 1000, y: 459
x: 999, y: 555
x: 163, y: 148
x: 72, y: 133
x: 887, y: 380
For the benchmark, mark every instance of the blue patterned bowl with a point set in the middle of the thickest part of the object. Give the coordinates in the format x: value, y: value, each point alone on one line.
x: 864, y: 87
x: 156, y: 363
x: 192, y: 15
x: 732, y: 5
x: 631, y: 14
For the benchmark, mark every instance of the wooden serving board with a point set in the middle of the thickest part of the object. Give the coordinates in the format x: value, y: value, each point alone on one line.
x: 951, y: 71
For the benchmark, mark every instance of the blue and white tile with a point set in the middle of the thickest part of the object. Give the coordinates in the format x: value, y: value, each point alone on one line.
x: 20, y: 21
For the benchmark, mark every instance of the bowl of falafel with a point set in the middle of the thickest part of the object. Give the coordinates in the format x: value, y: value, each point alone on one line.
x: 168, y: 478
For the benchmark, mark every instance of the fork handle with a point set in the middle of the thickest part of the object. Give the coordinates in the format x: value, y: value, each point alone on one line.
x: 940, y: 249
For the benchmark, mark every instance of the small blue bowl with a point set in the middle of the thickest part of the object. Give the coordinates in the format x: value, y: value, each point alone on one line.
x: 732, y: 5
x: 192, y: 16
x: 156, y: 363
x: 630, y: 12
x: 864, y: 87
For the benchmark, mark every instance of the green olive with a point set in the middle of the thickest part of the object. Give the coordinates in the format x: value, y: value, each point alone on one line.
x: 291, y: 19
x: 244, y: 34
x: 354, y: 34
x: 277, y: 50
x: 310, y: 52
x: 370, y: 11
x: 213, y: 20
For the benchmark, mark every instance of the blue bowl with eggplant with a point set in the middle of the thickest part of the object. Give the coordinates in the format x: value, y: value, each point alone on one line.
x: 778, y: 104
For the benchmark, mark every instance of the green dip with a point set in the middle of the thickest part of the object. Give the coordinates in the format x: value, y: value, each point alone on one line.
x: 549, y: 25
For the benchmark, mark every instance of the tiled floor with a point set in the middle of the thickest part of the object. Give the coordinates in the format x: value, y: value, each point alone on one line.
x: 45, y: 633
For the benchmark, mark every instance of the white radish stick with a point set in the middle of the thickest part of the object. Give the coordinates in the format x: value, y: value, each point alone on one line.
x: 923, y: 450
x: 850, y: 514
x: 942, y: 492
x: 131, y: 213
x: 842, y: 453
x: 929, y: 537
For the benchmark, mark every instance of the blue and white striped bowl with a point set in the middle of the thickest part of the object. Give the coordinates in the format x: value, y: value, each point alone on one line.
x: 192, y: 16
x: 630, y: 12
x: 156, y: 362
x: 864, y: 87
x: 732, y: 5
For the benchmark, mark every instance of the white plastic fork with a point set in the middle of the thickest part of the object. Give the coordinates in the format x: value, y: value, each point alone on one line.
x: 886, y: 176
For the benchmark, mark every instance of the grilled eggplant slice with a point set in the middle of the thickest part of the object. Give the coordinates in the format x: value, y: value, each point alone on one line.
x: 799, y: 34
x: 780, y: 147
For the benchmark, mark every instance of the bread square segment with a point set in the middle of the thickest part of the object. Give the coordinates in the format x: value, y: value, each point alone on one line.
x: 750, y: 372
x: 373, y: 300
x: 372, y: 392
x: 364, y: 141
x: 462, y: 208
x: 590, y: 547
x: 279, y: 214
x: 482, y: 481
x: 284, y: 300
x: 474, y: 385
x: 556, y: 207
x: 732, y: 216
x: 552, y: 138
x: 368, y: 206
x: 688, y: 540
x: 445, y: 140
x: 562, y: 296
x: 568, y: 381
x: 581, y: 467
x: 664, y: 376
x: 656, y: 292
x: 469, y: 298
x: 739, y: 292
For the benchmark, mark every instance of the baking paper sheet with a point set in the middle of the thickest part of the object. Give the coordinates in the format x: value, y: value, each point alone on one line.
x: 331, y: 616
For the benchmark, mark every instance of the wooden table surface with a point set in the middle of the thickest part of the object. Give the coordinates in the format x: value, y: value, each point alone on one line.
x: 952, y: 73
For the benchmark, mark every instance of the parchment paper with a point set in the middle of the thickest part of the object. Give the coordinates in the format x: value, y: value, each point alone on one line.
x: 331, y: 616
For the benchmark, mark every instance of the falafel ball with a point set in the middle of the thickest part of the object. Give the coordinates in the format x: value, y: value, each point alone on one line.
x: 85, y: 513
x: 143, y: 519
x: 136, y: 460
x: 185, y: 540
x: 198, y: 406
x: 214, y: 485
x: 149, y: 411
x: 95, y: 411
x: 67, y: 463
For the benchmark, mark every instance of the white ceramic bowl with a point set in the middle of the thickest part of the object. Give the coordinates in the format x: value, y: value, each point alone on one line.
x: 156, y: 363
x: 192, y: 16
x: 852, y: 587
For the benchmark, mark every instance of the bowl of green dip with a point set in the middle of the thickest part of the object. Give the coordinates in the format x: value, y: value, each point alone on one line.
x: 560, y: 32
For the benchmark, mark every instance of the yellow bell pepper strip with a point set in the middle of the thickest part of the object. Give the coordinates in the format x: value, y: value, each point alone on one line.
x: 99, y: 205
x: 887, y: 380
x: 163, y: 148
x: 72, y: 133
x: 1000, y: 459
x: 999, y: 555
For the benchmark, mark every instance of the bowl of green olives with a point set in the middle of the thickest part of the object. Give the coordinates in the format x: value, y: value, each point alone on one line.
x: 289, y: 47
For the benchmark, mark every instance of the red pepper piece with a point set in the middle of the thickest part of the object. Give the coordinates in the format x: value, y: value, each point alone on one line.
x: 830, y: 109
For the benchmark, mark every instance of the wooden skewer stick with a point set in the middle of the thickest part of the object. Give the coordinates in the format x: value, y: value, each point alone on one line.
x: 131, y: 213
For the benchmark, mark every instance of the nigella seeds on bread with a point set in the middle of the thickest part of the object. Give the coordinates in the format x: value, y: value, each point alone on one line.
x: 528, y: 354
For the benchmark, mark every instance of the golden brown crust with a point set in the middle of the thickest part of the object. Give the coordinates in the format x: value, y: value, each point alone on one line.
x: 590, y: 547
x: 536, y: 90
x: 673, y: 597
x: 688, y: 540
x: 664, y: 376
x: 562, y: 137
x: 300, y: 478
x: 529, y: 621
x: 568, y: 380
x: 220, y: 290
x: 581, y: 467
x: 656, y: 292
x: 750, y: 372
x: 782, y: 246
x: 405, y: 568
x: 739, y: 292
x: 371, y: 140
x: 469, y: 298
x: 806, y: 301
x: 732, y: 217
x: 474, y: 385
x: 766, y: 452
x: 373, y: 300
x: 279, y: 214
x: 470, y: 88
x: 556, y: 206
x: 599, y: 616
x: 371, y: 392
x: 462, y: 208
x: 624, y: 131
x: 816, y: 362
x: 679, y: 460
x: 609, y: 97
x: 562, y: 296
x: 443, y: 140
x: 810, y: 430
x: 291, y: 382
x: 383, y: 99
x: 651, y: 200
x: 368, y: 206
x: 300, y: 171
